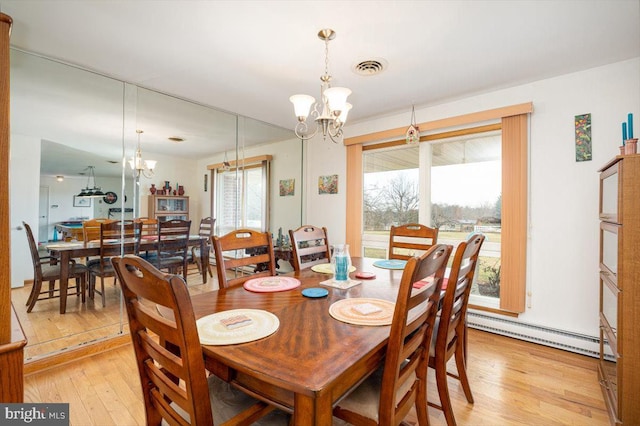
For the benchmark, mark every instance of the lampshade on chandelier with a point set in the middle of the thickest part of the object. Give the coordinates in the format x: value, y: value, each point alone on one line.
x: 140, y: 166
x: 94, y: 191
x: 331, y: 111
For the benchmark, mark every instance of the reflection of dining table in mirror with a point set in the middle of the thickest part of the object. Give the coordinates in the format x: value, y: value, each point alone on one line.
x: 66, y: 251
x: 313, y: 358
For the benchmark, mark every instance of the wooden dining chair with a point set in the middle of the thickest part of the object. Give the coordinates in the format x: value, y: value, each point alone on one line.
x: 411, y: 239
x: 450, y: 336
x: 204, y: 231
x: 46, y: 269
x: 310, y: 246
x: 91, y: 228
x: 387, y: 395
x: 175, y: 386
x: 243, y: 254
x: 173, y: 241
x: 116, y: 238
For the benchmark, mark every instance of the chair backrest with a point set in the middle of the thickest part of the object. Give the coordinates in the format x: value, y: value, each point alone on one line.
x: 35, y: 256
x: 91, y: 228
x: 143, y: 288
x: 243, y: 254
x: 173, y: 239
x: 206, y: 227
x: 149, y: 226
x: 411, y: 239
x: 456, y: 297
x: 310, y: 246
x: 118, y: 237
x: 407, y: 356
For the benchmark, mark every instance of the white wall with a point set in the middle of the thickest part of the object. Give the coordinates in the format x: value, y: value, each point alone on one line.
x: 24, y: 164
x: 562, y: 266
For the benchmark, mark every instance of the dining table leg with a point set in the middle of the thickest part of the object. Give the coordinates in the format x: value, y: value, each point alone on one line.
x: 64, y: 279
x: 309, y: 410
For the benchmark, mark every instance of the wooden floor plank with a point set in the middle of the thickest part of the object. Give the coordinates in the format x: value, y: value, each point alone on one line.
x: 513, y: 383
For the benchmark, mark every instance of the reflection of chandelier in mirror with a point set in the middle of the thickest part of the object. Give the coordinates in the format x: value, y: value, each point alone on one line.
x: 140, y: 166
x: 94, y: 191
x: 331, y: 111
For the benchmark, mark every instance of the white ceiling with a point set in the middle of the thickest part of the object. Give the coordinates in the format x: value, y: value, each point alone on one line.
x: 248, y: 57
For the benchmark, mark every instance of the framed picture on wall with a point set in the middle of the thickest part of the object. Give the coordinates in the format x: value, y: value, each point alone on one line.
x: 81, y: 201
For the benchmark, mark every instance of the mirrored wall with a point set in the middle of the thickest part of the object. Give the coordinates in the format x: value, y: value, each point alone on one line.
x: 65, y: 119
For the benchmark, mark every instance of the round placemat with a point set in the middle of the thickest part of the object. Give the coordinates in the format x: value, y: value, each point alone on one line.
x: 212, y: 332
x: 390, y: 264
x: 345, y: 310
x: 271, y: 284
x: 325, y: 268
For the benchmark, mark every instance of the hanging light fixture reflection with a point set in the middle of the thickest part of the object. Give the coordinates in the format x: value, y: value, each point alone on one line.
x: 331, y: 110
x: 140, y: 166
x: 225, y: 164
x: 91, y: 191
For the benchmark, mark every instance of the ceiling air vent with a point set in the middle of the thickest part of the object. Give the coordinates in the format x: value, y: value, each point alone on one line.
x: 370, y: 67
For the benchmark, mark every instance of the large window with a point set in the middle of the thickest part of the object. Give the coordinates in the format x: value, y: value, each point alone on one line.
x: 452, y: 184
x: 241, y: 196
x: 512, y: 201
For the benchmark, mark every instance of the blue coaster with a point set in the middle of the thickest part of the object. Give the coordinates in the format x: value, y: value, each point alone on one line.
x: 315, y: 292
x: 390, y: 264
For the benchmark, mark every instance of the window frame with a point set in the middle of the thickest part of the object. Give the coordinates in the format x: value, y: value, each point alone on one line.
x: 241, y: 166
x: 514, y: 122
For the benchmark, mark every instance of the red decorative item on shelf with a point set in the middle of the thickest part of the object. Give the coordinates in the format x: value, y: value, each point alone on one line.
x: 180, y: 190
x: 152, y: 189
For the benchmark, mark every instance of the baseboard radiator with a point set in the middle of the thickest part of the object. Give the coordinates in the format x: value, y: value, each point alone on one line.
x: 573, y: 342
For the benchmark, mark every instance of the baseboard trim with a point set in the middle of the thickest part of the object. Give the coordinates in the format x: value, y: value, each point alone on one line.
x: 561, y: 339
x: 42, y: 363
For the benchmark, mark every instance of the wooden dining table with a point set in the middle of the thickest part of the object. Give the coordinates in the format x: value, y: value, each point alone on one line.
x: 312, y: 360
x: 65, y: 251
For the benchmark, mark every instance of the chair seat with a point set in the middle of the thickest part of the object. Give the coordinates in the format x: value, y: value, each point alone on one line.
x: 172, y: 260
x: 106, y: 269
x: 227, y: 402
x: 52, y: 272
x: 92, y: 262
x: 365, y: 399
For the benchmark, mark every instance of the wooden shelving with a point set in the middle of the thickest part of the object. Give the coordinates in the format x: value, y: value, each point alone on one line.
x: 619, y: 366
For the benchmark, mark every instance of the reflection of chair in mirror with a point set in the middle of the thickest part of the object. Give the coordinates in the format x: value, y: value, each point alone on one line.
x: 196, y: 400
x: 91, y: 232
x: 46, y: 269
x: 387, y: 395
x: 240, y: 253
x: 205, y: 231
x: 116, y: 237
x: 91, y: 228
x: 148, y: 231
x: 173, y: 240
x: 450, y: 337
x: 411, y: 239
x: 310, y: 247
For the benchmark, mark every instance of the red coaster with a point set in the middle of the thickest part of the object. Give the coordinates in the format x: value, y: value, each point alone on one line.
x: 365, y: 275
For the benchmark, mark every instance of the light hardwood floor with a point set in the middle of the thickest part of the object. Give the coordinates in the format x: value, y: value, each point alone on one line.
x: 48, y: 331
x: 513, y: 382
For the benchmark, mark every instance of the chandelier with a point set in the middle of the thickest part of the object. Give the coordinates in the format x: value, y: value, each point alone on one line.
x: 140, y: 166
x: 93, y: 191
x: 331, y: 111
